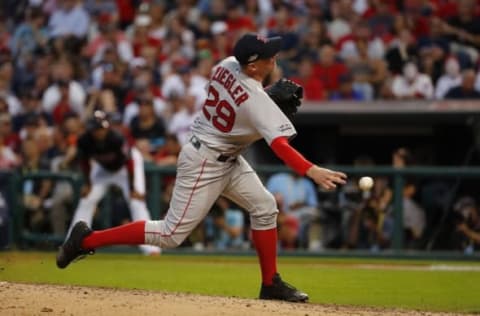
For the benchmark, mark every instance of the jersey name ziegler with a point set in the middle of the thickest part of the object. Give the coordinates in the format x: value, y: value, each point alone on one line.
x: 227, y: 80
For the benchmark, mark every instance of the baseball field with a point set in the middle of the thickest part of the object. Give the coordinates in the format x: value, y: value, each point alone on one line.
x: 131, y: 284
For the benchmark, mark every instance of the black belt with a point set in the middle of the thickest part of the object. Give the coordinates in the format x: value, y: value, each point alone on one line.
x: 222, y: 158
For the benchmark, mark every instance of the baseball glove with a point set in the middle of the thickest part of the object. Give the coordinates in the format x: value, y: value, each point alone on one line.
x: 287, y: 95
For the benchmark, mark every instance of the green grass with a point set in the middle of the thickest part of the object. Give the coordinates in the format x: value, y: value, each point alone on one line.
x: 332, y: 281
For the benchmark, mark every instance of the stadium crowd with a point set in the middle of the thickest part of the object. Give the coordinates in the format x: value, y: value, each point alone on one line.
x: 146, y: 64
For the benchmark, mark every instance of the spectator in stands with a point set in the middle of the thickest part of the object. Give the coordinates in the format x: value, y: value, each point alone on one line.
x: 188, y: 80
x: 3, y: 106
x: 412, y: 84
x: 144, y: 86
x: 96, y: 8
x: 8, y: 159
x: 315, y: 37
x: 186, y: 11
x: 342, y: 14
x: 347, y: 90
x: 30, y: 126
x: 450, y: 79
x: 44, y: 139
x: 167, y: 155
x: 62, y: 195
x: 109, y: 37
x: 103, y: 100
x: 297, y: 198
x: 116, y: 121
x: 34, y: 192
x: 237, y: 21
x: 146, y: 125
x: 157, y: 11
x: 178, y: 43
x: 70, y: 19
x: 146, y: 149
x: 259, y: 11
x: 10, y: 137
x: 30, y: 36
x: 379, y: 17
x: 312, y: 86
x: 201, y: 76
x: 432, y: 63
x: 464, y: 27
x: 370, y: 225
x: 346, y: 205
x: 40, y: 74
x: 282, y: 24
x: 221, y: 46
x: 65, y: 94
x: 5, y: 36
x: 202, y: 32
x: 413, y: 217
x: 413, y: 213
x: 477, y: 81
x: 328, y: 69
x: 365, y: 222
x: 107, y: 63
x: 402, y: 49
x: 138, y: 33
x: 436, y: 41
x: 228, y: 225
x: 361, y: 42
x: 416, y: 15
x: 182, y: 120
x: 466, y: 234
x: 6, y: 93
x: 466, y: 90
x: 31, y: 105
x: 363, y: 55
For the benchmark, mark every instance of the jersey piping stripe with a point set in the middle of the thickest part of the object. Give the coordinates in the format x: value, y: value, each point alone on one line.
x: 186, y: 206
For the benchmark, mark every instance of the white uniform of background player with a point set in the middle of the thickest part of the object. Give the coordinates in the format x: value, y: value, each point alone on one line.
x: 108, y: 159
x: 237, y: 113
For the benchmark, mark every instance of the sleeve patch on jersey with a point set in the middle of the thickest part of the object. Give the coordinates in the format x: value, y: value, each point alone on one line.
x: 285, y: 127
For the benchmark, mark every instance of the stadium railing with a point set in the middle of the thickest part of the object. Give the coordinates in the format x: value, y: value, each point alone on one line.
x: 155, y: 175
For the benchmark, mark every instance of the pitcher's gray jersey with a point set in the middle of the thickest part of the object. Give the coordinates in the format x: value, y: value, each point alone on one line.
x: 238, y: 112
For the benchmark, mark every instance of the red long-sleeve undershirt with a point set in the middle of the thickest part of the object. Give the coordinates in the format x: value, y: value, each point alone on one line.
x: 290, y: 156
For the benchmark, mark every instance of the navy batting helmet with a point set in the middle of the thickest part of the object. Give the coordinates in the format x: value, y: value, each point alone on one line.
x: 97, y: 121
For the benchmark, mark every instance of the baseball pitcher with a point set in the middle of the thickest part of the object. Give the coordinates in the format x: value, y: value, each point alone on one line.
x: 237, y: 112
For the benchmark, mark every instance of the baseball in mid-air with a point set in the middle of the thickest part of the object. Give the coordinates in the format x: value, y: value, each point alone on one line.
x: 365, y: 183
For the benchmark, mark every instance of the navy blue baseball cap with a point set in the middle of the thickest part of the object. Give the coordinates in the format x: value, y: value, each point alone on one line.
x: 251, y: 47
x: 97, y: 121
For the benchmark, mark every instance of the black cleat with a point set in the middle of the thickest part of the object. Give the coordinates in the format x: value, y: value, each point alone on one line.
x: 72, y: 248
x: 281, y: 291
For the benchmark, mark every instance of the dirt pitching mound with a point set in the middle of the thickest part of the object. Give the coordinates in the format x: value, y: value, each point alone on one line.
x: 42, y: 299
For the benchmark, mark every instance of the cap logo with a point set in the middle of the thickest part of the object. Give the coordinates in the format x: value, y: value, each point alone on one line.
x: 252, y: 58
x: 99, y: 114
x: 262, y: 38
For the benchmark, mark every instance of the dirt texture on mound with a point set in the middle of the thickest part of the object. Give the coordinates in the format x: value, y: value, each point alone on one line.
x: 43, y: 299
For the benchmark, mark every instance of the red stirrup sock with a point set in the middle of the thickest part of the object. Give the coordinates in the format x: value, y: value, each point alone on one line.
x: 266, y: 246
x: 128, y: 234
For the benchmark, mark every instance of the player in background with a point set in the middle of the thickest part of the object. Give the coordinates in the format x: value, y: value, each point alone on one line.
x: 106, y: 160
x: 236, y: 113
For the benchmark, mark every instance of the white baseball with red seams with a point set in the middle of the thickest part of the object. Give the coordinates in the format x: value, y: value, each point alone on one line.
x: 236, y: 113
x: 365, y: 183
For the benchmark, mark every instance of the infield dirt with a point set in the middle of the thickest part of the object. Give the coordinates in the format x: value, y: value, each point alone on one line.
x: 35, y: 299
